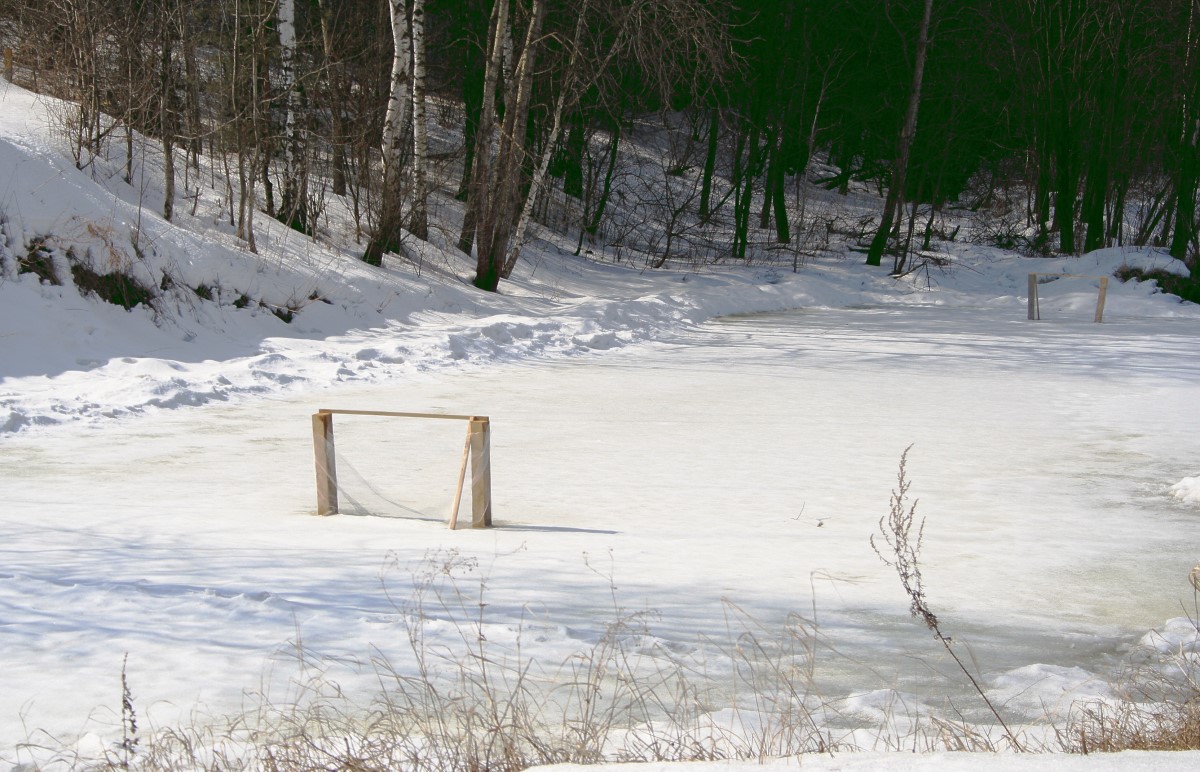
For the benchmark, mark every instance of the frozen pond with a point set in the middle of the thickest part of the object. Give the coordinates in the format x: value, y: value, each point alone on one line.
x: 746, y: 461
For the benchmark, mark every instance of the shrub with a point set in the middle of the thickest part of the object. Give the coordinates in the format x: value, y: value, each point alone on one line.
x: 1183, y: 287
x: 39, y: 261
x: 117, y: 287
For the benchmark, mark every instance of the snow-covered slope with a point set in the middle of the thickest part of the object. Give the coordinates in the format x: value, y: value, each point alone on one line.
x: 215, y: 331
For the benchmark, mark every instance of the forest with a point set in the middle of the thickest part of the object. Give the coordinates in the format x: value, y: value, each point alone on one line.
x: 1064, y: 125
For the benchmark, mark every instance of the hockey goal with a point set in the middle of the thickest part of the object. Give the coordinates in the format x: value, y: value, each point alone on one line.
x: 476, y: 456
x: 1035, y: 279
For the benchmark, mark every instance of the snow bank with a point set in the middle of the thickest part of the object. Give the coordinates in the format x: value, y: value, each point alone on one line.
x: 1187, y: 489
x: 1128, y: 761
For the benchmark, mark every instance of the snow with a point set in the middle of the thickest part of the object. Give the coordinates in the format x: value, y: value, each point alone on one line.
x: 708, y: 450
x: 1187, y: 489
x: 1128, y: 761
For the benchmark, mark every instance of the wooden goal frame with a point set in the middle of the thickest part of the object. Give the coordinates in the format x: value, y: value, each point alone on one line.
x: 476, y: 454
x: 1035, y: 311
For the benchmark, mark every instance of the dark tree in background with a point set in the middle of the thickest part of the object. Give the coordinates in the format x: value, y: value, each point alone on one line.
x: 1063, y: 125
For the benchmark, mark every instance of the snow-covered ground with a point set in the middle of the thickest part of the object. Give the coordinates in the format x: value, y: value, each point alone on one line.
x: 711, y: 476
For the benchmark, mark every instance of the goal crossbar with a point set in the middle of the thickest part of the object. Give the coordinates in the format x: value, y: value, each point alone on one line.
x: 476, y: 455
x: 1035, y: 310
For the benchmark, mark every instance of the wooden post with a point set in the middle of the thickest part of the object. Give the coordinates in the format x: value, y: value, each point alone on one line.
x: 323, y: 449
x: 1100, y: 301
x: 8, y: 64
x: 481, y: 473
x: 1033, y: 309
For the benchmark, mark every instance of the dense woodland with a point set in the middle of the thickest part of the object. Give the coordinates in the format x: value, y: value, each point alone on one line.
x: 1074, y: 124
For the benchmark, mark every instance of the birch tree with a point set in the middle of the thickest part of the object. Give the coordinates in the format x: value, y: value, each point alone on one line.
x: 293, y: 207
x: 419, y: 217
x: 481, y: 168
x: 387, y: 234
x: 498, y: 202
x: 673, y: 45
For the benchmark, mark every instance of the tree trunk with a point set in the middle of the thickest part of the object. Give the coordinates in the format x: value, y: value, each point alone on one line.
x: 481, y: 168
x: 710, y: 163
x: 773, y: 167
x: 475, y: 66
x: 1068, y: 185
x: 387, y: 235
x: 573, y: 149
x: 606, y: 188
x: 195, y: 128
x: 1185, y: 199
x: 419, y: 217
x: 334, y: 83
x: 895, y: 194
x: 744, y: 202
x: 497, y: 225
x: 1094, y: 193
x: 560, y: 104
x: 1188, y: 171
x: 166, y: 123
x: 292, y: 204
x: 783, y: 231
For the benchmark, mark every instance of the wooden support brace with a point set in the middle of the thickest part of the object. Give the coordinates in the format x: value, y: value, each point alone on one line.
x: 462, y: 476
x: 8, y: 64
x: 323, y: 450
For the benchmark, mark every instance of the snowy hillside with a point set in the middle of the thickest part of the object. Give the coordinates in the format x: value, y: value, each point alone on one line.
x: 670, y: 485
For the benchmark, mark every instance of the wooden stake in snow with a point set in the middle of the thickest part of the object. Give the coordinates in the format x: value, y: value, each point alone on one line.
x: 476, y: 451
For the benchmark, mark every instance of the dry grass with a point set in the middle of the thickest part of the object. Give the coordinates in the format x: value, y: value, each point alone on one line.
x: 1159, y: 701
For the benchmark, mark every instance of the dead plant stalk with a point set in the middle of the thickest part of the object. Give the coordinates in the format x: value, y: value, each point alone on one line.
x: 903, y: 534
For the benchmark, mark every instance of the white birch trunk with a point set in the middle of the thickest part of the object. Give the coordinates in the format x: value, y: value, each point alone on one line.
x: 419, y: 222
x: 539, y: 175
x: 498, y: 216
x: 286, y: 18
x: 398, y: 100
x: 390, y: 224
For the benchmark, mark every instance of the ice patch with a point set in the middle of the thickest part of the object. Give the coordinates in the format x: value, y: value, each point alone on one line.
x: 1047, y: 690
x: 885, y: 705
x: 1178, y: 636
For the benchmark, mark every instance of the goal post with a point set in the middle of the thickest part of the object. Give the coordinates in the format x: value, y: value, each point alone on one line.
x: 476, y: 456
x: 1035, y: 310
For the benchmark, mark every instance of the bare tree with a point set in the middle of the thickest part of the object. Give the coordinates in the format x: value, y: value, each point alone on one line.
x: 895, y: 195
x: 1188, y: 174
